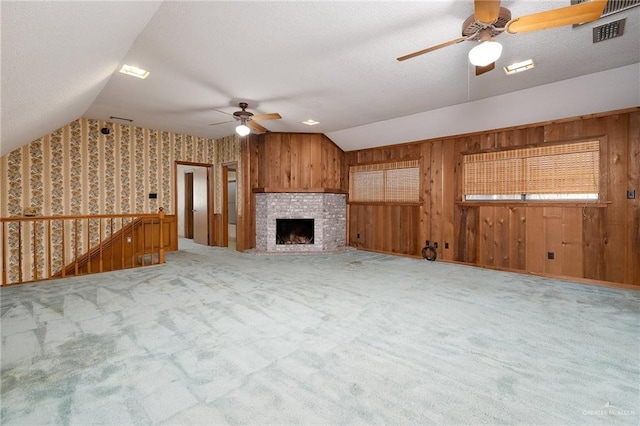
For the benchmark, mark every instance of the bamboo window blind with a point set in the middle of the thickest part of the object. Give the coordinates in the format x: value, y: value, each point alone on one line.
x: 386, y: 182
x: 571, y: 169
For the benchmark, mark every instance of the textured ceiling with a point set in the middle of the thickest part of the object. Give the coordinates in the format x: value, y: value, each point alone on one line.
x: 330, y: 61
x: 56, y: 59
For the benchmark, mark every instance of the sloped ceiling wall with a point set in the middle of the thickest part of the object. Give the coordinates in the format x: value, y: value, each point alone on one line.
x: 594, y: 93
x: 102, y: 35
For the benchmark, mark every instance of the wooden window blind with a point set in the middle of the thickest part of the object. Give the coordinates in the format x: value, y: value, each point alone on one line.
x: 367, y: 185
x: 557, y: 169
x: 385, y: 182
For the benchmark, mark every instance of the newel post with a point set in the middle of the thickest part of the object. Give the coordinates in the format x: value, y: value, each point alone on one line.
x: 161, y: 250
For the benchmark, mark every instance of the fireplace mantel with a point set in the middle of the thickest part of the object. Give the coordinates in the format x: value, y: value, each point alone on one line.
x: 299, y: 190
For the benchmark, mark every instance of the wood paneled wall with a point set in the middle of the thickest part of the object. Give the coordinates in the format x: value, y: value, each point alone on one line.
x: 394, y: 233
x: 246, y: 222
x: 286, y: 162
x: 594, y: 242
x: 304, y: 161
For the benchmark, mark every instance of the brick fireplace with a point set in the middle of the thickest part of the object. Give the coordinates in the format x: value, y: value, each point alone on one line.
x: 326, y: 213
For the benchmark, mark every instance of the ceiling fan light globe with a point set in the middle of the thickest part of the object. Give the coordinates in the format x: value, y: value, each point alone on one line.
x: 485, y: 53
x: 243, y: 130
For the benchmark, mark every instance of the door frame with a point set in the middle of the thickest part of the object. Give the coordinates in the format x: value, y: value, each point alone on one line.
x: 210, y: 195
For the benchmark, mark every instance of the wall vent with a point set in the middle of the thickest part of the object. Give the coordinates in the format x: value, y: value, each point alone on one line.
x: 613, y: 6
x: 609, y: 30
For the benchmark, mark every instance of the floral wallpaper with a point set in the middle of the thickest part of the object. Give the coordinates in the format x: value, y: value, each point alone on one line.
x: 78, y: 170
x: 227, y: 150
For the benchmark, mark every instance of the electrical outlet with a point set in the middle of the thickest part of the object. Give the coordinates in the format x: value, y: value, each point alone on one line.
x: 446, y: 245
x: 631, y: 194
x: 358, y: 235
x: 129, y: 240
x: 551, y: 255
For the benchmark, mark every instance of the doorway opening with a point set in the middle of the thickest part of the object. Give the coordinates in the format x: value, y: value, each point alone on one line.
x: 193, y: 201
x: 229, y: 205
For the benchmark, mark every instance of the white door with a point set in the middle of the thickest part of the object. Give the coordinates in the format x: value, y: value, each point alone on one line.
x: 200, y: 206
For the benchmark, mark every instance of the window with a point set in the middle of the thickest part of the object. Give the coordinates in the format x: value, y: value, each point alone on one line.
x: 395, y: 182
x: 556, y: 172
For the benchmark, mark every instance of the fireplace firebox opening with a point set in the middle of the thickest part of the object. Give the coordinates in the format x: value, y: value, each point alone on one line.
x: 294, y: 231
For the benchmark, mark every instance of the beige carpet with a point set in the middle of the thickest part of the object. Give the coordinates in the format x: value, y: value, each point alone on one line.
x: 220, y: 337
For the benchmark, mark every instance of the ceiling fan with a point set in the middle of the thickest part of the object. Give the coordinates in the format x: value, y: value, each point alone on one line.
x: 490, y: 20
x: 248, y: 120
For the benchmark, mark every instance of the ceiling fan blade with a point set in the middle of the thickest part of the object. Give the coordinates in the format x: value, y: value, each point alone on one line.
x: 262, y: 117
x: 431, y: 49
x: 222, y: 122
x: 486, y: 68
x: 487, y: 11
x: 221, y: 111
x: 256, y: 127
x: 570, y: 15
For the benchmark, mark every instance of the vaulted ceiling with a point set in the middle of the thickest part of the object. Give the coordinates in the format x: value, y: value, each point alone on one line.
x: 334, y: 62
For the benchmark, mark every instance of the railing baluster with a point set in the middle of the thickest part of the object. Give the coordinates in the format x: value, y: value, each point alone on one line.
x: 64, y: 253
x: 153, y: 249
x: 111, y: 239
x: 49, y: 248
x: 75, y: 240
x: 4, y: 253
x: 161, y: 231
x: 123, y: 236
x: 151, y: 252
x: 88, y: 246
x: 100, y: 238
x: 132, y: 224
x: 144, y: 242
x: 35, y: 251
x: 19, y: 252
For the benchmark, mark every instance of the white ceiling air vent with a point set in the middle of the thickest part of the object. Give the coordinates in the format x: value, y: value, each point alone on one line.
x: 613, y: 6
x: 609, y: 30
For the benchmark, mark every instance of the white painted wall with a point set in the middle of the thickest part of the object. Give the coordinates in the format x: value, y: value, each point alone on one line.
x: 180, y: 199
x: 600, y: 92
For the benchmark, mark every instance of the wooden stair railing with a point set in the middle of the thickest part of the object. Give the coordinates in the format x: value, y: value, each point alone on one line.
x: 33, y: 247
x: 104, y: 252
